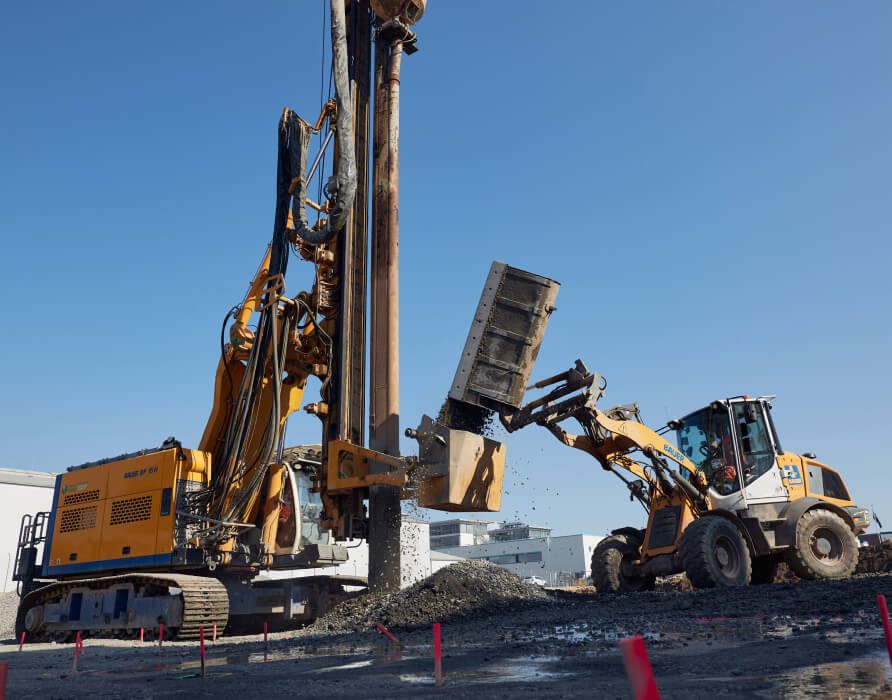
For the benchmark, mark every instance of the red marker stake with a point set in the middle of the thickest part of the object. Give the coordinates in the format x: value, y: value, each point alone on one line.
x: 215, y: 633
x: 160, y: 634
x: 22, y: 640
x: 4, y: 669
x: 884, y: 614
x: 142, y: 635
x: 438, y: 656
x: 383, y: 630
x: 78, y: 642
x: 77, y: 650
x: 201, y: 647
x: 638, y: 669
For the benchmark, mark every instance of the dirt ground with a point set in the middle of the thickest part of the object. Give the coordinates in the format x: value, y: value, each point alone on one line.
x: 806, y: 640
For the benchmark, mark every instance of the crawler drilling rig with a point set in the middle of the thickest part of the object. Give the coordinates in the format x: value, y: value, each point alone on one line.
x: 177, y: 536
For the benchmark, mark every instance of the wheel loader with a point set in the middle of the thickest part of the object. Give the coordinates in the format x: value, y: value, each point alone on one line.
x: 725, y: 502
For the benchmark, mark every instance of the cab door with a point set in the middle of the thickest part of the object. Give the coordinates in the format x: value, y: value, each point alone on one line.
x: 759, y: 472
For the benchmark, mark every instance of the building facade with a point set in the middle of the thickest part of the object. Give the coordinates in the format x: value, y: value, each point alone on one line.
x: 21, y: 493
x: 559, y: 561
x: 459, y: 532
x: 508, y: 532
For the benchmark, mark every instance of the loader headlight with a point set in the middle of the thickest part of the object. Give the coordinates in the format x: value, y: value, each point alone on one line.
x: 861, y: 518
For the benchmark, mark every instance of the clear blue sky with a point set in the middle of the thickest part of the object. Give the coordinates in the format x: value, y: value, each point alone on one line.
x: 709, y: 181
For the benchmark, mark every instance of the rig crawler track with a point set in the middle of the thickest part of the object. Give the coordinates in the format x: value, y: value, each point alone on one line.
x: 95, y: 606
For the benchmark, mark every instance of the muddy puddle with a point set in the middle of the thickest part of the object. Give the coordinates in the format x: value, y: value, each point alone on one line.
x: 867, y: 677
x: 519, y: 669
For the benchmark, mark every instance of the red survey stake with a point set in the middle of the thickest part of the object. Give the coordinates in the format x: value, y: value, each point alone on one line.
x: 638, y: 669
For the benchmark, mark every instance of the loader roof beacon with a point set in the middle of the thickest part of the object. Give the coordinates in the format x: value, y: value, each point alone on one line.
x: 179, y: 535
x: 725, y: 503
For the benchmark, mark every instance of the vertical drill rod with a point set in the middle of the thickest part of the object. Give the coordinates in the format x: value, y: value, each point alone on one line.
x: 384, y: 501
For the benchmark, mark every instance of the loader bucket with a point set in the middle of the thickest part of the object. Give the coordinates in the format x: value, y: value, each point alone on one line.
x: 458, y: 470
x: 504, y: 338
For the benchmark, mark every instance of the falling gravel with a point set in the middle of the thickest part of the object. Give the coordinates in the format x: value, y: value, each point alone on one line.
x: 460, y: 590
x: 460, y: 415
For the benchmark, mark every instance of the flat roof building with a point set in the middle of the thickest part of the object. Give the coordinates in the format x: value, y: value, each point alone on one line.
x: 459, y: 532
x: 559, y: 561
x: 22, y: 492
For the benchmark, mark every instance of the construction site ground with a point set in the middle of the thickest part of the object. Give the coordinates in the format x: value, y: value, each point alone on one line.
x: 808, y: 640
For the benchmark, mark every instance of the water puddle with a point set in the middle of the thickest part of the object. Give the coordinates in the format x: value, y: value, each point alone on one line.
x: 517, y: 669
x: 585, y: 632
x: 867, y: 677
x: 344, y: 667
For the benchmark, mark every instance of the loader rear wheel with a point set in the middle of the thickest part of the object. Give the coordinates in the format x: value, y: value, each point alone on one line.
x: 825, y: 547
x: 613, y: 570
x: 714, y: 554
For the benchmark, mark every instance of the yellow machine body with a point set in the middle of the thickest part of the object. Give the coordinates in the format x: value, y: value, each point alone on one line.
x: 121, y: 514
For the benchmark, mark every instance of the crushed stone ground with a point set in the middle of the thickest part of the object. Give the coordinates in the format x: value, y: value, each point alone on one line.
x: 820, y: 639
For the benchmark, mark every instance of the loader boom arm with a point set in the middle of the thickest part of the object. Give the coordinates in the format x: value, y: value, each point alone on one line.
x: 611, y: 436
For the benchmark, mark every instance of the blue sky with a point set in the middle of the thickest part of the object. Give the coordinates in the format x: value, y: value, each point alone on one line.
x: 709, y: 182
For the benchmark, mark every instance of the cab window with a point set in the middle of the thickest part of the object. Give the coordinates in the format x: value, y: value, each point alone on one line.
x: 833, y: 486
x: 757, y: 453
x: 705, y: 438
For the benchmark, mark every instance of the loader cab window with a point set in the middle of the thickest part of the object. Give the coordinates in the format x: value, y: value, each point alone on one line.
x: 757, y: 452
x: 706, y: 438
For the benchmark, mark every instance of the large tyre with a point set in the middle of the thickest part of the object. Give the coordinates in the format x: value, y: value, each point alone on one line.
x: 825, y: 547
x: 607, y: 565
x: 714, y: 554
x: 764, y: 570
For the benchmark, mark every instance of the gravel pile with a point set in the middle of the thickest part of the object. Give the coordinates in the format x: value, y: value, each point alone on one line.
x: 464, y: 589
x: 9, y: 605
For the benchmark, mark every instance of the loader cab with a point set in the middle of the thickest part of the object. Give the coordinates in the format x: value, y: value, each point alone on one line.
x: 731, y: 441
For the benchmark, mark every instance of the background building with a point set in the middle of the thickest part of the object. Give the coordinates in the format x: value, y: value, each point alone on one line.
x: 558, y: 560
x: 21, y: 492
x: 517, y: 531
x: 459, y: 532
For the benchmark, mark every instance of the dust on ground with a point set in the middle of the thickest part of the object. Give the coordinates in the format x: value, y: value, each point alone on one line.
x: 805, y: 640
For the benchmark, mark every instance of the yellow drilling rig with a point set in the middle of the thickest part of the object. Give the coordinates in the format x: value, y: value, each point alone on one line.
x: 177, y: 535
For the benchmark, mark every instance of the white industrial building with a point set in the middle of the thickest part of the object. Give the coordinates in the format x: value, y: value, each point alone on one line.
x: 21, y: 492
x: 461, y: 532
x: 558, y: 560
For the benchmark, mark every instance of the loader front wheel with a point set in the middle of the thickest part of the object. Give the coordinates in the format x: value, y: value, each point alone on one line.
x: 714, y: 554
x: 613, y: 567
x: 825, y: 547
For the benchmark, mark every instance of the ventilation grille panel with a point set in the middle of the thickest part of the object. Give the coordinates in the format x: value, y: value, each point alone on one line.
x: 130, y: 510
x: 78, y: 519
x: 72, y: 499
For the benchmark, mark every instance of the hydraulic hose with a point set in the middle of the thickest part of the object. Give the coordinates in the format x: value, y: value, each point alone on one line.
x: 698, y: 498
x: 345, y: 175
